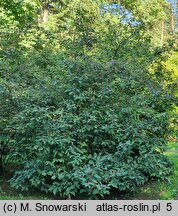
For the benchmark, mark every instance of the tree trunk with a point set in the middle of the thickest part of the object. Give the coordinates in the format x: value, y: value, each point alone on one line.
x: 172, y: 22
x: 45, y: 14
x: 162, y: 33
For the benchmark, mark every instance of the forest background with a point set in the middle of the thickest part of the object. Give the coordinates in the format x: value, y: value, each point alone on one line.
x: 88, y: 93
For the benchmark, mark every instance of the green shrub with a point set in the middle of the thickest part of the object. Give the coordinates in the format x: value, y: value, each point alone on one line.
x: 86, y: 99
x: 101, y: 128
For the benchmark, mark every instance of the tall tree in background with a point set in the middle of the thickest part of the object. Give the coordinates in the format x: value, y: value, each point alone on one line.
x: 156, y: 16
x: 86, y: 99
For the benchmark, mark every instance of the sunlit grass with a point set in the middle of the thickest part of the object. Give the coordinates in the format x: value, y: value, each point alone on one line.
x: 171, y: 190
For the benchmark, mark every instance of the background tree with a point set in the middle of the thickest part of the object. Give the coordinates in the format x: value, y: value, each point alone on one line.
x: 86, y: 99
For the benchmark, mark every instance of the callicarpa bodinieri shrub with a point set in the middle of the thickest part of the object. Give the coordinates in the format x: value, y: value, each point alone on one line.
x: 86, y: 98
x: 102, y: 126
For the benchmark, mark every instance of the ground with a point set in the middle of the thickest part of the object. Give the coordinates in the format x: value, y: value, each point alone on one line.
x: 151, y: 191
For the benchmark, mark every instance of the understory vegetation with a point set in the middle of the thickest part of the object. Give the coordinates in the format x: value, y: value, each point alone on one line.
x: 88, y: 99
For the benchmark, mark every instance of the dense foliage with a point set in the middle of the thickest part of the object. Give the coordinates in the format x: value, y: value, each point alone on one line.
x: 86, y: 99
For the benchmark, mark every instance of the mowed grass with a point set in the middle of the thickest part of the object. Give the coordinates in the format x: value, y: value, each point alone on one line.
x: 153, y: 190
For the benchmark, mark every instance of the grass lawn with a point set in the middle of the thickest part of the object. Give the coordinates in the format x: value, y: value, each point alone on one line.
x: 152, y: 191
